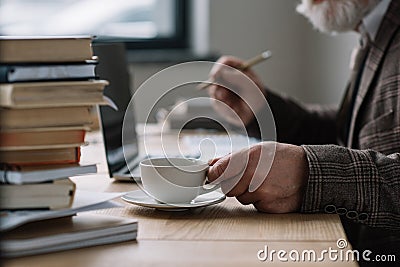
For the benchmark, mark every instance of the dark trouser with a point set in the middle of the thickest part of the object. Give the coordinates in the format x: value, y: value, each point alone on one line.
x: 381, y: 242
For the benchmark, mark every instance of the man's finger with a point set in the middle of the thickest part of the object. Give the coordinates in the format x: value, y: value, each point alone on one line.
x: 223, y: 62
x: 254, y: 197
x: 242, y: 186
x: 222, y: 94
x: 231, y: 61
x: 248, y: 198
x: 280, y: 205
x: 212, y: 161
x: 217, y: 169
x: 228, y: 167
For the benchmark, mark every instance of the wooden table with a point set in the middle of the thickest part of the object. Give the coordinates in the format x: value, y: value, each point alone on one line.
x: 227, y: 234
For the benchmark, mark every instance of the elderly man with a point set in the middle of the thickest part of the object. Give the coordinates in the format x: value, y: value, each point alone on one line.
x: 344, y: 161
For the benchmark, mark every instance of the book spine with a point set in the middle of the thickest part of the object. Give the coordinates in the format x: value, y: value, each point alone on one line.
x: 40, y: 138
x: 78, y: 155
x: 4, y: 70
x: 65, y: 71
x: 45, y: 117
x: 4, y: 173
x: 61, y: 156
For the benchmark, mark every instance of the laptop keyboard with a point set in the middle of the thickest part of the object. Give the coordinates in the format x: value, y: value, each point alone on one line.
x: 209, y: 146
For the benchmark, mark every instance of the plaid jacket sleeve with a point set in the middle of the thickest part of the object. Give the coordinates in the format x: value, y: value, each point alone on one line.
x: 297, y: 123
x: 363, y: 185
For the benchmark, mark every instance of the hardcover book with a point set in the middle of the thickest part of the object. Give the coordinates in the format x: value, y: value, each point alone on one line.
x: 47, y: 72
x: 49, y: 195
x: 45, y: 117
x: 41, y: 156
x: 52, y: 94
x: 24, y: 49
x: 18, y: 139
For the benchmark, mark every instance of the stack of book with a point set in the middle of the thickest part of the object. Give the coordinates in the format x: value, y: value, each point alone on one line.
x: 47, y: 88
x: 83, y: 230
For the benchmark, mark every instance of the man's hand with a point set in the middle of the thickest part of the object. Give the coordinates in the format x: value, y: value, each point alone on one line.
x: 239, y: 92
x: 272, y: 183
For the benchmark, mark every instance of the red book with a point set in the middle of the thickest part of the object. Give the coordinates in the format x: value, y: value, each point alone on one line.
x: 41, y: 156
x: 43, y: 138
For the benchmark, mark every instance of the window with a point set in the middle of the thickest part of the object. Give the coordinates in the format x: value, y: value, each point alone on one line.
x: 139, y: 23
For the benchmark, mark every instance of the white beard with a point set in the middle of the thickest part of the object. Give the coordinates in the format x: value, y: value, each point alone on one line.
x: 331, y: 16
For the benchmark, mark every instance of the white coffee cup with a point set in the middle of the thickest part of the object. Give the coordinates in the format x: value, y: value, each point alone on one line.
x: 174, y: 180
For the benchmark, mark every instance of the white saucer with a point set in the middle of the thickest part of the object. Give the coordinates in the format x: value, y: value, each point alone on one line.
x: 140, y: 198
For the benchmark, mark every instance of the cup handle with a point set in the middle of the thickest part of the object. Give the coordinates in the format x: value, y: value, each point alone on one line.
x: 203, y: 190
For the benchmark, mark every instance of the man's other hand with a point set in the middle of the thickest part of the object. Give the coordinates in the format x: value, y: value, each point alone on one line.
x: 238, y: 96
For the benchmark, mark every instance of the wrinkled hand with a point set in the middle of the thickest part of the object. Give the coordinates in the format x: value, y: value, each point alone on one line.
x: 239, y: 95
x: 272, y: 183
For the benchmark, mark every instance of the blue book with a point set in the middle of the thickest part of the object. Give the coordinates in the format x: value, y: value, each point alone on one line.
x: 11, y: 174
x: 47, y: 72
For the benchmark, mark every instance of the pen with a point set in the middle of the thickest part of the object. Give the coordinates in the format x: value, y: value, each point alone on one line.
x: 247, y: 64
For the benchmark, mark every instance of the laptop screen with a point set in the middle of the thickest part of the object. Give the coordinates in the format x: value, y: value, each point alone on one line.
x: 113, y: 67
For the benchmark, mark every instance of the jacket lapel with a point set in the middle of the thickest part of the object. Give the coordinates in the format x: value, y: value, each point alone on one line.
x: 378, y: 48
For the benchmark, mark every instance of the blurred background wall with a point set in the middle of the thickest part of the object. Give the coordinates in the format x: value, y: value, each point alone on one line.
x: 306, y: 64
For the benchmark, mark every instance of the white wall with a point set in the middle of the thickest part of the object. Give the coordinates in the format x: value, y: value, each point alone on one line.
x: 308, y: 65
x: 326, y: 69
x: 245, y: 28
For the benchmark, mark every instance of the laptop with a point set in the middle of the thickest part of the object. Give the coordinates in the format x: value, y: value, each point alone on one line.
x: 113, y: 67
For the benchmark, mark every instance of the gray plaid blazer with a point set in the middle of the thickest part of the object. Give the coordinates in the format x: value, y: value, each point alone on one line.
x: 356, y: 175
